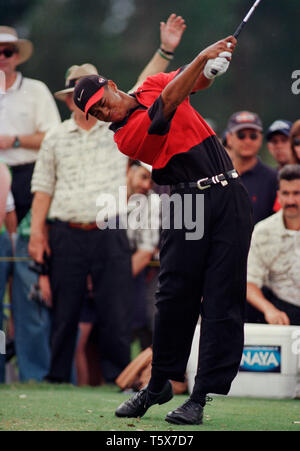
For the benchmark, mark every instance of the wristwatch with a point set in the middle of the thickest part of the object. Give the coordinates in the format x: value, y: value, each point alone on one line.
x: 16, y: 143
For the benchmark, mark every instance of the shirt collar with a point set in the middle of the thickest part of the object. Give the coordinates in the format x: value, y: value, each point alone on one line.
x: 17, y: 84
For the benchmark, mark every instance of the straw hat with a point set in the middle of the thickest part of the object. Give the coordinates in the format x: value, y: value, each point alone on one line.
x: 73, y: 74
x: 9, y: 35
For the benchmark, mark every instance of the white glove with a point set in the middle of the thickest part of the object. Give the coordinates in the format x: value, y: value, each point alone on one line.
x: 219, y: 64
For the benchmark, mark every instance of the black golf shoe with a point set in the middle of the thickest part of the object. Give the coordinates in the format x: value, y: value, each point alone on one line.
x: 138, y: 405
x: 189, y: 413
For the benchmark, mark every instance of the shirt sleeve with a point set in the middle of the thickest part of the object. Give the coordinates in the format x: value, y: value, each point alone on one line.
x: 47, y: 115
x: 258, y: 270
x: 43, y: 178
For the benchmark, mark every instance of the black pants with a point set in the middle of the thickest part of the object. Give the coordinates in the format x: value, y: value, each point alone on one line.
x: 292, y: 311
x: 21, y: 188
x: 206, y: 277
x: 105, y: 255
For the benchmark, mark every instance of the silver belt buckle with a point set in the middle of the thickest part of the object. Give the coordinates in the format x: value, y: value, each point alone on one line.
x: 200, y: 186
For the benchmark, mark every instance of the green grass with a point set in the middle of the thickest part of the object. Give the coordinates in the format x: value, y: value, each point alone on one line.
x: 44, y: 407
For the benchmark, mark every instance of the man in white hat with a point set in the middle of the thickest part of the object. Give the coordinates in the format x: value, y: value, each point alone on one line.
x: 79, y: 161
x: 27, y: 111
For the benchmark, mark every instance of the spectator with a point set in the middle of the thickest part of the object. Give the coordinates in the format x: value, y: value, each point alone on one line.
x: 5, y: 250
x: 245, y: 138
x: 77, y: 162
x: 278, y: 142
x: 31, y: 314
x: 28, y: 111
x: 87, y: 359
x: 4, y: 189
x: 295, y: 140
x: 143, y: 243
x: 274, y: 260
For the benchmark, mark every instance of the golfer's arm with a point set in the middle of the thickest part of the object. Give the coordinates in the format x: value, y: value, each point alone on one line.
x: 181, y: 86
x: 256, y: 298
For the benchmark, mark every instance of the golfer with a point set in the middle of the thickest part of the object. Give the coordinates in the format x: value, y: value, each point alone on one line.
x: 206, y: 277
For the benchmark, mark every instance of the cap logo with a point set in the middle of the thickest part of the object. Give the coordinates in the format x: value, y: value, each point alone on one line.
x: 279, y: 125
x: 80, y: 97
x: 245, y: 117
x: 101, y: 80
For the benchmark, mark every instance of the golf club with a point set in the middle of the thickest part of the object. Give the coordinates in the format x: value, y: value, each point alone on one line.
x: 241, y: 26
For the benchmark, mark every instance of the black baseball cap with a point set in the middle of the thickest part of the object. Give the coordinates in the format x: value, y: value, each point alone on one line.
x: 244, y: 119
x: 280, y: 126
x: 88, y: 91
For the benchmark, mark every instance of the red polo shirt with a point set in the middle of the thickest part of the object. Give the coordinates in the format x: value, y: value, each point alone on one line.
x: 183, y: 148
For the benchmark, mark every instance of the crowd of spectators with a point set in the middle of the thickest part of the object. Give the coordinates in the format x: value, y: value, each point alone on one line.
x: 80, y: 292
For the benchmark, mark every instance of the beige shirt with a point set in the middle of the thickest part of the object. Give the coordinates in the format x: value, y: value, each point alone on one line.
x: 75, y: 166
x: 27, y: 107
x: 274, y: 258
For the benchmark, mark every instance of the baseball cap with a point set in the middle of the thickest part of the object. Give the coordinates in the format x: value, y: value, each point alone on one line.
x: 279, y: 126
x: 88, y: 91
x: 244, y: 119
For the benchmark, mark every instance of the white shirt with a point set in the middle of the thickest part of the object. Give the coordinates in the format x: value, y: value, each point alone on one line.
x: 274, y: 258
x: 75, y: 166
x: 27, y: 107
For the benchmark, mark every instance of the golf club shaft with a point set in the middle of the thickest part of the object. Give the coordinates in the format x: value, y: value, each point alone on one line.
x: 242, y: 24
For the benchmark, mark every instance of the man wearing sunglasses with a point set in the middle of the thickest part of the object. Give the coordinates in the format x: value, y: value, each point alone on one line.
x: 245, y: 139
x: 27, y: 111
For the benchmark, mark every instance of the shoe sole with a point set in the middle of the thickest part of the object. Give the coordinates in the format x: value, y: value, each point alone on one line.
x: 183, y: 423
x: 178, y: 421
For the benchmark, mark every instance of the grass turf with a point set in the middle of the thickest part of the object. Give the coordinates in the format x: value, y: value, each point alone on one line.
x: 44, y: 407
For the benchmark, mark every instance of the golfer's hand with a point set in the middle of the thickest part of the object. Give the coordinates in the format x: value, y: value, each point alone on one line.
x: 217, y: 66
x: 275, y: 316
x: 214, y: 50
x: 171, y: 32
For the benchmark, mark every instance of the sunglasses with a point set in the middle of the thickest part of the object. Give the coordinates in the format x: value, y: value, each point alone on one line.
x: 243, y: 135
x: 296, y: 142
x: 8, y: 53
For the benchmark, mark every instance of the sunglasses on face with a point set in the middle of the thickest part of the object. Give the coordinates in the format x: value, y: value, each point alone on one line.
x: 243, y: 135
x: 8, y: 53
x: 296, y: 142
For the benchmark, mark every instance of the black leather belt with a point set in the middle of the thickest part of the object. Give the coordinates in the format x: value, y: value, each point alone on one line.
x: 208, y: 181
